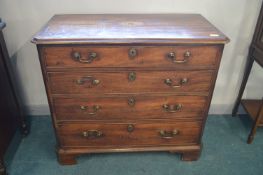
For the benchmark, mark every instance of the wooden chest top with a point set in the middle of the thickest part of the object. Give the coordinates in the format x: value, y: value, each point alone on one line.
x: 129, y: 28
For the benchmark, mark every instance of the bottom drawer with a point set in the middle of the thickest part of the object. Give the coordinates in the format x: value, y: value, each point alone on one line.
x: 128, y: 134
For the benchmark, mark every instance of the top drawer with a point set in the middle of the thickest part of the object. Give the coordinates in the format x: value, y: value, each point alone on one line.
x: 129, y: 56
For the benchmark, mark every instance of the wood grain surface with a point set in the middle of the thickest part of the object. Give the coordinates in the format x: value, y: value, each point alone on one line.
x: 118, y: 82
x: 71, y: 135
x: 120, y: 108
x: 118, y: 56
x: 129, y: 28
x: 106, y: 73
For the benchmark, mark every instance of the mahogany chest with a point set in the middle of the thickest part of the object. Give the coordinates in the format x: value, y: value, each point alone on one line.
x: 119, y: 83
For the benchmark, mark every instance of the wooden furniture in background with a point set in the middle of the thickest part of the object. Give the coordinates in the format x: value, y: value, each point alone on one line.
x: 118, y: 83
x: 255, y: 54
x: 11, y: 115
x: 255, y: 110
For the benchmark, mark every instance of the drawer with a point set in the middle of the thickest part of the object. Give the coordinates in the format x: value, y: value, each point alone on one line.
x: 137, y: 56
x: 130, y: 107
x: 129, y: 82
x: 128, y: 134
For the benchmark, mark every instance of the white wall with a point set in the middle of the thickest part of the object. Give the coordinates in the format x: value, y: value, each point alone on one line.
x: 235, y: 18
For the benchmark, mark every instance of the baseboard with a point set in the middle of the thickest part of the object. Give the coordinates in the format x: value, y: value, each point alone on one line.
x: 224, y: 109
x: 37, y: 110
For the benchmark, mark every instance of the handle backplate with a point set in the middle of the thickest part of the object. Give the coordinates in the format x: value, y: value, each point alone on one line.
x: 92, y: 134
x: 172, y: 57
x: 172, y: 108
x: 182, y: 81
x: 94, y: 108
x: 89, y: 80
x: 168, y: 134
x: 78, y: 57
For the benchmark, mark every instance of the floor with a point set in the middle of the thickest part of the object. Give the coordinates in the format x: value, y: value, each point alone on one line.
x: 225, y: 152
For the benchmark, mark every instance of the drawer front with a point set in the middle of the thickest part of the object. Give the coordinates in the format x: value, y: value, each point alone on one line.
x: 130, y: 82
x: 182, y: 56
x: 128, y: 134
x: 130, y: 107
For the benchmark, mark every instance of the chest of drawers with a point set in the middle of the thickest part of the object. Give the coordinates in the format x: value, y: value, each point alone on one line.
x: 119, y: 83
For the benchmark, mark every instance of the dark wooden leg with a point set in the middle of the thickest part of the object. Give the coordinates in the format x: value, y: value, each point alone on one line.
x: 66, y: 159
x: 191, y: 156
x: 255, y: 124
x: 251, y: 135
x: 244, y: 82
x: 2, y: 168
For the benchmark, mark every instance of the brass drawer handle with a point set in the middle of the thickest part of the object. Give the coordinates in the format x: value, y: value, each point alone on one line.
x: 187, y: 54
x: 77, y: 57
x: 132, y: 53
x: 172, y: 108
x: 172, y: 56
x: 95, y: 109
x: 169, y: 82
x: 168, y: 134
x: 92, y: 134
x: 88, y: 79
